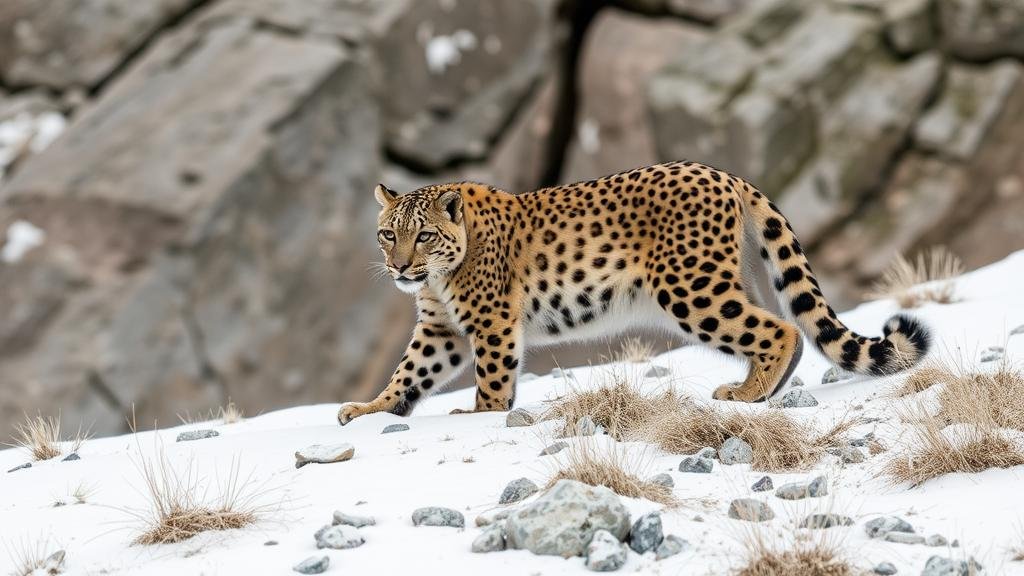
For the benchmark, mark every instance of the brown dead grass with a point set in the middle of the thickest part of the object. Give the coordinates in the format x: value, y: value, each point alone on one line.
x: 987, y: 398
x: 32, y: 558
x: 41, y: 437
x: 679, y: 425
x: 934, y: 450
x: 923, y: 378
x: 903, y: 280
x: 227, y: 414
x: 180, y: 509
x: 798, y: 554
x: 613, y: 469
x: 636, y: 350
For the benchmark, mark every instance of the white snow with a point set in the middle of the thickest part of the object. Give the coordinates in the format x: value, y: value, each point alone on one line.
x: 464, y: 461
x: 444, y: 51
x: 22, y: 236
x: 28, y: 131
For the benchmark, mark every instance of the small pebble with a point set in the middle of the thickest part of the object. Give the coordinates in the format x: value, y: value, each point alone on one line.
x: 708, y: 452
x: 646, y: 533
x: 1017, y: 330
x: 795, y: 491
x: 585, y: 426
x: 605, y: 553
x: 270, y: 543
x: 394, y: 428
x: 22, y: 467
x: 324, y: 454
x: 885, y: 569
x: 670, y: 546
x: 338, y: 537
x: 796, y: 382
x: 554, y: 448
x: 519, y: 417
x: 197, y: 435
x: 750, y: 510
x: 904, y: 538
x: 658, y: 372
x: 663, y: 479
x: 312, y: 565
x: 936, y: 540
x: 492, y: 539
x: 351, y: 520
x: 696, y: 465
x: 991, y: 357
x: 798, y: 399
x: 822, y: 521
x: 834, y: 375
x: 879, y: 527
x: 850, y: 455
x: 735, y: 451
x: 517, y: 490
x: 436, y: 516
x: 939, y: 566
x: 72, y: 457
x: 763, y: 485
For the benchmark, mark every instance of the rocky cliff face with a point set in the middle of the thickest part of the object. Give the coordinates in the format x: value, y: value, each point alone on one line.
x: 201, y: 228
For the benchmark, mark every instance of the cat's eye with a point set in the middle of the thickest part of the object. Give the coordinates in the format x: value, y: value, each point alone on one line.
x: 425, y: 236
x: 387, y: 235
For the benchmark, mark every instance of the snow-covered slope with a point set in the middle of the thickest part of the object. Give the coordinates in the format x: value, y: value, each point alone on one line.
x: 464, y: 462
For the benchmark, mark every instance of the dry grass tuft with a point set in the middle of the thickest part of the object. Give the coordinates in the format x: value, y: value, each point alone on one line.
x: 179, y: 508
x: 934, y: 450
x: 804, y: 554
x: 635, y: 350
x: 41, y: 437
x: 986, y: 398
x: 612, y: 469
x: 903, y: 280
x: 230, y: 414
x: 679, y: 425
x: 30, y: 558
x: 925, y: 377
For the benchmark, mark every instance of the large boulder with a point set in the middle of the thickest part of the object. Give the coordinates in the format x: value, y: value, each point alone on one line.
x: 193, y: 259
x: 983, y: 29
x: 562, y: 521
x: 76, y: 44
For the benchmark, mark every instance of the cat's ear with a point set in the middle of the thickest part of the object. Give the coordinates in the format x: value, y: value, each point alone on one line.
x: 451, y: 203
x: 384, y: 196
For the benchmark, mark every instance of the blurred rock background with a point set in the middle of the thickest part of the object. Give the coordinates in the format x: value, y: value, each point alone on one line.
x: 185, y: 185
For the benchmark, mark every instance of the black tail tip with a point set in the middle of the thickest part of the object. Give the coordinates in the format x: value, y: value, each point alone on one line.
x: 914, y: 331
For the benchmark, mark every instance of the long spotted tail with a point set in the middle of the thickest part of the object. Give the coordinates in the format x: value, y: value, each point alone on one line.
x: 905, y: 341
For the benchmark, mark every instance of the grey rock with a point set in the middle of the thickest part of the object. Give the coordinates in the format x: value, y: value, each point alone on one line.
x: 338, y: 537
x: 564, y: 519
x: 663, y: 479
x: 885, y: 569
x: 191, y: 435
x: 105, y: 35
x: 735, y: 451
x: 798, y: 399
x: 1017, y: 330
x: 352, y: 520
x: 903, y: 538
x: 982, y: 29
x: 517, y: 490
x: 879, y: 527
x: 554, y: 448
x: 940, y: 566
x: 491, y: 539
x: 834, y: 374
x: 908, y: 25
x: 167, y: 230
x: 519, y: 417
x: 20, y: 467
x: 862, y: 441
x: 750, y: 510
x: 991, y: 358
x: 324, y: 454
x: 585, y: 426
x: 670, y: 546
x: 971, y: 102
x: 796, y: 382
x: 936, y: 540
x: 828, y: 520
x: 696, y: 465
x: 763, y: 485
x: 493, y: 517
x: 271, y: 543
x: 605, y: 553
x: 71, y: 457
x: 797, y: 490
x: 394, y: 428
x: 657, y: 372
x: 646, y: 533
x: 313, y: 565
x: 708, y: 452
x: 437, y: 516
x: 850, y: 455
